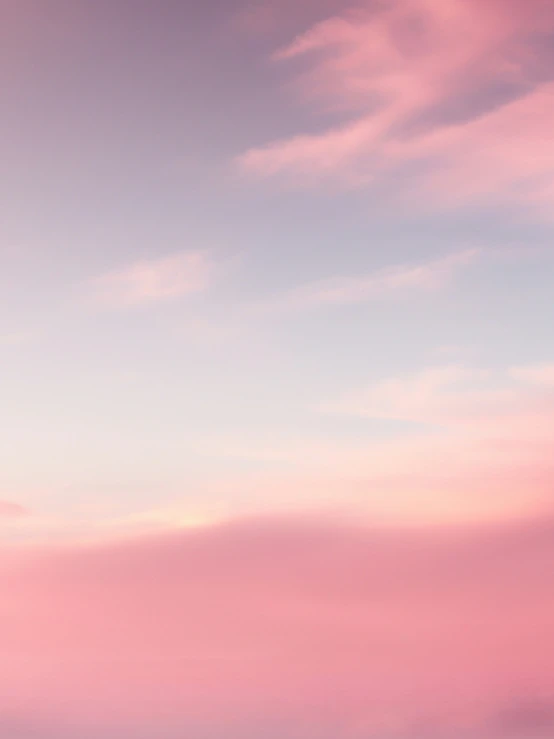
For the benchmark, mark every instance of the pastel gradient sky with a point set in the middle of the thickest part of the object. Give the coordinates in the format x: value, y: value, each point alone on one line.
x: 277, y: 369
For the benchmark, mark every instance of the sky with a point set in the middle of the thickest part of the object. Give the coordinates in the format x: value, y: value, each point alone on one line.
x: 276, y: 369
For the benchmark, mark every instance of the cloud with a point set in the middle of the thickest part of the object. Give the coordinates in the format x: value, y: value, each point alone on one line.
x: 540, y: 374
x: 445, y: 393
x: 462, y: 443
x: 155, y: 280
x: 390, y: 281
x: 11, y: 510
x: 453, y: 394
x: 292, y: 627
x: 450, y: 443
x: 443, y: 101
x: 396, y: 281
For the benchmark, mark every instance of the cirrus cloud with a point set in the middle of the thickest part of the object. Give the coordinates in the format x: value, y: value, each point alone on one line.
x: 449, y: 101
x: 390, y: 281
x: 153, y: 280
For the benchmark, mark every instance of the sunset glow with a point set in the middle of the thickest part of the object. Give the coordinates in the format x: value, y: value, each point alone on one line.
x: 277, y: 369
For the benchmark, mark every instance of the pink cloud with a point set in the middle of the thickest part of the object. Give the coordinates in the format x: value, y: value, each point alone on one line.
x: 297, y: 627
x: 504, y: 156
x: 443, y: 394
x: 155, y: 280
x: 396, y: 281
x: 11, y: 510
x: 539, y: 374
x: 446, y: 444
x: 457, y: 87
x: 454, y: 394
x: 482, y: 448
x: 390, y: 281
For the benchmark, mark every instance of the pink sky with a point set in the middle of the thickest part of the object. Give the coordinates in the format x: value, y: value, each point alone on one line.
x: 276, y: 369
x: 318, y: 627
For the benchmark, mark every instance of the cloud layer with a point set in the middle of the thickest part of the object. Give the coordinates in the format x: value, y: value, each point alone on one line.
x: 295, y: 628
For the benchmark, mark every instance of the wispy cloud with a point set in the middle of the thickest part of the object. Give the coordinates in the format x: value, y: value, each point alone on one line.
x: 437, y: 394
x: 393, y: 281
x: 446, y: 443
x: 450, y: 98
x: 154, y: 280
x: 466, y: 442
x: 538, y: 374
x: 450, y: 394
